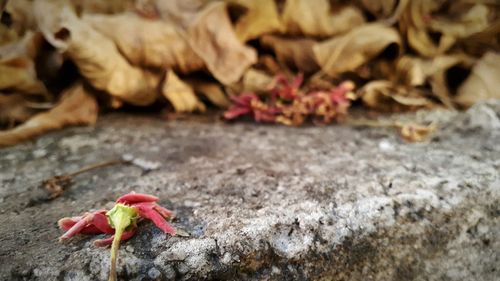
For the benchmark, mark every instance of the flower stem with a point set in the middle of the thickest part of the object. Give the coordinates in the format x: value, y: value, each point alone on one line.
x: 114, y: 253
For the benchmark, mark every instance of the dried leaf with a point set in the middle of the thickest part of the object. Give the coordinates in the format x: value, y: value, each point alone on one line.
x: 21, y: 14
x: 349, y: 51
x: 473, y: 21
x: 180, y: 12
x: 379, y: 8
x: 180, y: 94
x: 261, y: 17
x: 256, y: 81
x: 415, y: 132
x: 161, y: 46
x: 297, y: 53
x: 483, y: 83
x: 102, y: 6
x: 414, y: 23
x: 387, y: 96
x: 14, y: 109
x: 315, y: 18
x: 212, y: 37
x: 96, y: 56
x: 212, y: 91
x: 76, y: 107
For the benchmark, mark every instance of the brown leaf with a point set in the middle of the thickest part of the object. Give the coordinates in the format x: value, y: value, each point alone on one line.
x: 483, y: 83
x: 161, y: 46
x: 180, y: 94
x: 76, y: 107
x: 261, y: 17
x: 95, y: 55
x: 315, y: 18
x: 212, y: 37
x: 297, y: 53
x: 349, y: 51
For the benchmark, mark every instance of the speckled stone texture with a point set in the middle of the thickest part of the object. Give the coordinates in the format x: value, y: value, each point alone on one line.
x: 265, y: 202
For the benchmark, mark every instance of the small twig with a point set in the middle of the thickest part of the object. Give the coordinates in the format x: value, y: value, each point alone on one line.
x: 56, y: 185
x: 98, y: 165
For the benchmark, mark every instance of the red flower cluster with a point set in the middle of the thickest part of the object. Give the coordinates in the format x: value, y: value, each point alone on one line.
x: 97, y: 222
x: 289, y: 105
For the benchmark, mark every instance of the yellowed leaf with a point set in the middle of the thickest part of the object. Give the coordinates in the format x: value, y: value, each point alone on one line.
x: 261, y: 17
x: 76, y: 107
x: 95, y: 55
x: 319, y: 18
x: 180, y: 94
x: 212, y: 37
x: 483, y: 83
x: 349, y: 51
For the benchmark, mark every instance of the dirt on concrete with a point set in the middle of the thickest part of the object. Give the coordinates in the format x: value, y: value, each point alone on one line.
x: 265, y: 202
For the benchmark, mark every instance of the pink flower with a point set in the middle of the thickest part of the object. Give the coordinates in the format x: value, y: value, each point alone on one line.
x: 98, y: 223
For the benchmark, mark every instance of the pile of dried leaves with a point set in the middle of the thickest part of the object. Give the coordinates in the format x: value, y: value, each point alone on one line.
x: 61, y: 61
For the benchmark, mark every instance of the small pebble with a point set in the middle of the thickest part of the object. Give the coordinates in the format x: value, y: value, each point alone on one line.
x: 154, y: 273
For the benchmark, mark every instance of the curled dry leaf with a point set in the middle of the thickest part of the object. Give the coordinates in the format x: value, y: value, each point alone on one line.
x: 379, y: 8
x: 21, y: 15
x: 102, y: 6
x: 261, y: 17
x: 76, y: 107
x: 212, y: 91
x: 349, y: 51
x: 297, y: 53
x: 14, y: 108
x: 315, y: 18
x: 180, y: 12
x: 387, y: 96
x: 256, y: 81
x: 472, y: 21
x: 483, y: 83
x: 212, y: 37
x: 415, y: 132
x: 162, y: 46
x: 415, y: 23
x: 180, y: 94
x: 95, y: 55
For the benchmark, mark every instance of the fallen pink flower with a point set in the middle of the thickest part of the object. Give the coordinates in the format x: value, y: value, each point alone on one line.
x: 120, y: 222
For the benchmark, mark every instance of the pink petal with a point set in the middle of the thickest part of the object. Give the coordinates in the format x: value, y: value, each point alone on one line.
x: 67, y: 223
x: 108, y: 241
x: 100, y: 221
x: 236, y: 111
x: 164, y: 212
x: 133, y: 197
x: 147, y: 211
x: 76, y: 228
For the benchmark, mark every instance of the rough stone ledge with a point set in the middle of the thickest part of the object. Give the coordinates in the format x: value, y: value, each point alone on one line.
x: 266, y: 202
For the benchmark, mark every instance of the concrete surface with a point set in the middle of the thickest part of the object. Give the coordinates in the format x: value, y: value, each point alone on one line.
x: 265, y: 202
